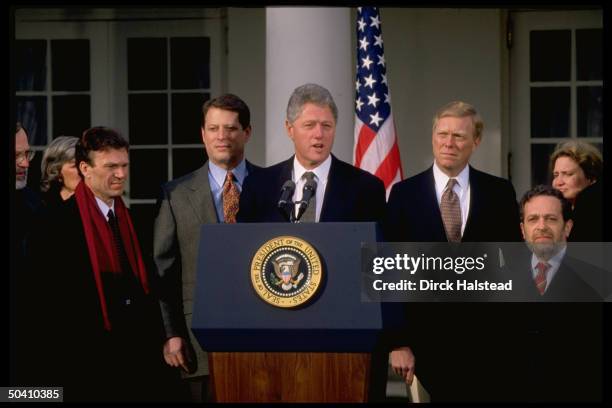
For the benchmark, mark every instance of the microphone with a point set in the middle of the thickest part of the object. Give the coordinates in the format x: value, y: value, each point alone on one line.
x: 309, y: 191
x: 285, y: 205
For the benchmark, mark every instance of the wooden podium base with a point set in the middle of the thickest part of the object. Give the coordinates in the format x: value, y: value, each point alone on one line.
x: 289, y: 377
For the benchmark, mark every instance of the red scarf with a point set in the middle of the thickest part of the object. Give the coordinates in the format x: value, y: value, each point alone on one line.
x: 99, y: 236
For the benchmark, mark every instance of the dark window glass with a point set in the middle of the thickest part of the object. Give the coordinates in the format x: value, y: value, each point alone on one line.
x: 550, y: 55
x: 70, y: 65
x: 187, y: 160
x: 550, y: 112
x: 143, y: 216
x: 190, y: 62
x: 71, y: 115
x: 30, y: 65
x: 589, y: 53
x: 148, y: 171
x: 187, y: 117
x: 147, y: 63
x: 540, y: 172
x: 148, y: 118
x: 590, y: 111
x: 32, y: 113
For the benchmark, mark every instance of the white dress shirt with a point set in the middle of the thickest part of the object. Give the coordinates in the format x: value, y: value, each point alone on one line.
x: 321, y: 173
x: 104, y: 208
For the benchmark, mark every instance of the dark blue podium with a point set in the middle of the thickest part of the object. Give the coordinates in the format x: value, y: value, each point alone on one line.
x: 319, y: 351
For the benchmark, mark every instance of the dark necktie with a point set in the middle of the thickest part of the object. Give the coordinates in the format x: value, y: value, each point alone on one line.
x: 451, y: 212
x: 231, y: 199
x: 117, y: 242
x: 540, y: 279
x: 310, y: 215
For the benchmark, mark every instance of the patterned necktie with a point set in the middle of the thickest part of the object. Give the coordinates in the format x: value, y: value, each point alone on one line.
x: 310, y: 215
x: 540, y: 279
x: 451, y: 212
x: 231, y: 198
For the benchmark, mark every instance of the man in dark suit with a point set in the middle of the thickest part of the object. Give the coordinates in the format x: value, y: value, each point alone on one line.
x: 558, y: 335
x: 451, y: 201
x: 98, y: 326
x: 25, y: 208
x: 207, y: 195
x: 343, y: 192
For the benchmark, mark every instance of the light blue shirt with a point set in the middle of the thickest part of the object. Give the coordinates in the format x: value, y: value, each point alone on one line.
x: 216, y: 178
x: 554, y: 262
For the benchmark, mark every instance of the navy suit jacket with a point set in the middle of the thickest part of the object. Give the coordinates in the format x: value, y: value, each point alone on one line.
x: 351, y: 194
x: 413, y: 212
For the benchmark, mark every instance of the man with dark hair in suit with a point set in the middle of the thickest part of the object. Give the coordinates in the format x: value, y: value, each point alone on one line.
x: 451, y: 201
x: 343, y: 192
x: 546, y: 224
x: 557, y: 350
x: 207, y: 195
x: 101, y: 325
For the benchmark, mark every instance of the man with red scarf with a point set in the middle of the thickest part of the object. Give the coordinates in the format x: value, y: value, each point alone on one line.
x: 100, y: 324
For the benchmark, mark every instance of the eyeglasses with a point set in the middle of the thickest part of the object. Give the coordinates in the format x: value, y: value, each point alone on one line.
x: 28, y: 154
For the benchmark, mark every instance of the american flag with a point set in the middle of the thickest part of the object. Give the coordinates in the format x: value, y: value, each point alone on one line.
x: 376, y: 147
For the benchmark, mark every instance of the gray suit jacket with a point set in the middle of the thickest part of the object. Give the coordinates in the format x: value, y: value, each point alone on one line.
x: 184, y: 206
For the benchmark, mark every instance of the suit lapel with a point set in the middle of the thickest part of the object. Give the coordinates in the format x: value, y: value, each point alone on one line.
x: 200, y: 197
x: 333, y: 191
x: 475, y: 203
x: 431, y: 201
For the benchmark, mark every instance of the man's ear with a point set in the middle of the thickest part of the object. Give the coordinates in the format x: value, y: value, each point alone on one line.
x: 289, y: 129
x: 84, y: 168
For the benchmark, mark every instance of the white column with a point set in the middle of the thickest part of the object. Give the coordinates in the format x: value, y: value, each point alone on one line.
x: 308, y: 45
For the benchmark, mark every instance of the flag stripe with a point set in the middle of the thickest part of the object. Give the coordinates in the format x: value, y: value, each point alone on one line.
x: 364, y: 140
x: 375, y: 138
x: 388, y: 168
x: 380, y: 147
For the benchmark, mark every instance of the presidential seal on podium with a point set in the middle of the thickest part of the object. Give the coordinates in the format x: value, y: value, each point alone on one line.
x: 286, y: 272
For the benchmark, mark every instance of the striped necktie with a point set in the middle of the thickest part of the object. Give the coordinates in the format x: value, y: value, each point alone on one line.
x: 540, y: 279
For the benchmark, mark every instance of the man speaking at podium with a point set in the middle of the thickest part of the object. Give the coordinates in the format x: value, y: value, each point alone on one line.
x: 324, y: 188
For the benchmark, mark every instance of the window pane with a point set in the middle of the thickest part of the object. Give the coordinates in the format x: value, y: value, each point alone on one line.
x: 70, y: 65
x: 589, y: 52
x: 550, y: 112
x: 550, y: 55
x: 148, y: 170
x: 147, y: 62
x: 187, y: 160
x: 540, y: 153
x: 30, y: 65
x: 190, y: 62
x: 32, y: 113
x: 187, y: 117
x: 71, y: 115
x: 148, y: 118
x: 590, y: 111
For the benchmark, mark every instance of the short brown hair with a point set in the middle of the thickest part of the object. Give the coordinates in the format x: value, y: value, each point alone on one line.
x: 584, y: 154
x: 543, y: 190
x: 231, y: 103
x: 96, y: 139
x: 460, y: 109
